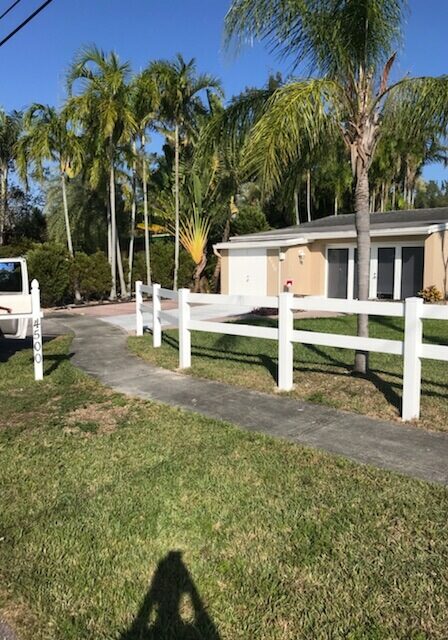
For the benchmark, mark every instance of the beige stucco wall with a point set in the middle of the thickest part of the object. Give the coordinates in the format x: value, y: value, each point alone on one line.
x: 436, y: 261
x: 272, y: 275
x: 305, y: 266
x: 224, y: 271
x: 307, y: 273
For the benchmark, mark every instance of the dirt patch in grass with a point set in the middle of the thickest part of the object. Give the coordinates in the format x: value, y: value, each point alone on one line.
x: 103, y: 418
x: 14, y: 614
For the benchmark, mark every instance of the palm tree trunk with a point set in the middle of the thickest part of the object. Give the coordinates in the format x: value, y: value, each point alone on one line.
x: 308, y: 195
x: 66, y: 218
x: 113, y: 233
x: 124, y: 293
x: 176, y: 195
x: 362, y: 223
x: 133, y: 218
x: 67, y: 227
x: 109, y: 229
x: 336, y: 205
x: 296, y: 205
x: 197, y: 274
x: 3, y: 202
x: 145, y: 215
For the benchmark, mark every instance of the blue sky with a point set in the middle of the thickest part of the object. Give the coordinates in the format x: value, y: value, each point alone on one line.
x: 34, y: 62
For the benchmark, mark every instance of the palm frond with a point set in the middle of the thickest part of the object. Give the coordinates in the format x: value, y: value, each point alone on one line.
x: 194, y: 232
x: 330, y: 36
x: 297, y: 118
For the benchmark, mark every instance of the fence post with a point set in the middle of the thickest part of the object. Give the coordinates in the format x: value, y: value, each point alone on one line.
x: 156, y: 322
x: 138, y: 308
x: 38, y: 356
x: 285, y: 344
x: 412, y: 365
x: 184, y: 331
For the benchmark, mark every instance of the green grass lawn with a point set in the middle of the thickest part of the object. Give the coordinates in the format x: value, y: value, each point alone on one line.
x: 321, y: 374
x: 130, y: 520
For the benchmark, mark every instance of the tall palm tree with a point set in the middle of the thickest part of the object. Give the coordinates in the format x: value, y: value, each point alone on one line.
x: 349, y: 47
x: 145, y: 100
x: 10, y: 128
x: 103, y: 107
x: 180, y: 106
x: 49, y: 138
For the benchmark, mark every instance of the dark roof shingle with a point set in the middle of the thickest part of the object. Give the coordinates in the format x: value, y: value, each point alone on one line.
x: 346, y: 222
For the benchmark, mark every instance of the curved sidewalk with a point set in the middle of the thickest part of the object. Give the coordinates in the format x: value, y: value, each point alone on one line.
x: 100, y: 349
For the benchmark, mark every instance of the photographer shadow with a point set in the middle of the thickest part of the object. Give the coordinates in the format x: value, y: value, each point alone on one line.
x: 172, y: 608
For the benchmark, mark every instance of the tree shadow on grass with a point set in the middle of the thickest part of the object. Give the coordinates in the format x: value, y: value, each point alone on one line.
x: 225, y: 353
x: 384, y: 387
x: 322, y: 366
x: 172, y: 608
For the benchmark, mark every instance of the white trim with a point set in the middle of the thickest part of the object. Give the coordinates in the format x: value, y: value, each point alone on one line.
x: 373, y: 272
x: 351, y: 273
x: 441, y: 226
x: 268, y: 244
x: 397, y: 272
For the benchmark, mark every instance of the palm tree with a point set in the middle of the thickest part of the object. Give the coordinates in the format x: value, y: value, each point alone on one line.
x: 10, y: 128
x: 145, y: 100
x: 349, y: 47
x: 49, y: 138
x: 103, y: 108
x: 180, y: 106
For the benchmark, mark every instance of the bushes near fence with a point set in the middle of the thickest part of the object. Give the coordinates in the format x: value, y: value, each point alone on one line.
x: 91, y: 275
x: 59, y: 274
x: 162, y: 265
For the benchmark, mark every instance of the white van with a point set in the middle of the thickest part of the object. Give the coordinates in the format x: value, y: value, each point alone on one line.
x: 13, y: 282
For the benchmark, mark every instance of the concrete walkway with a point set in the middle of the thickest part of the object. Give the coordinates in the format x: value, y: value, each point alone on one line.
x: 100, y: 349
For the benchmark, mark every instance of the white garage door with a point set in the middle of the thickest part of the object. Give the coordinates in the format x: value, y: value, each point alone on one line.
x: 247, y: 272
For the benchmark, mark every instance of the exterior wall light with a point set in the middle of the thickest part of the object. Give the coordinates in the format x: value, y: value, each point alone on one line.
x: 301, y: 255
x: 282, y: 256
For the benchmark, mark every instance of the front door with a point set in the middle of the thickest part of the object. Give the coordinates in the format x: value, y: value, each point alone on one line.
x: 337, y: 273
x: 386, y: 273
x: 412, y: 260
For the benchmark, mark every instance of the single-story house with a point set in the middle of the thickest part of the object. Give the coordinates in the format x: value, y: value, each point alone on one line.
x: 409, y: 252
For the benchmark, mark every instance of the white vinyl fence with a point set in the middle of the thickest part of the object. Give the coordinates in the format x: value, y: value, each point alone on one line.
x: 412, y: 347
x: 27, y: 307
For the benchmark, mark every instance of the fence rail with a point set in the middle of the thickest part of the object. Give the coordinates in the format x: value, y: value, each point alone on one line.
x: 411, y: 348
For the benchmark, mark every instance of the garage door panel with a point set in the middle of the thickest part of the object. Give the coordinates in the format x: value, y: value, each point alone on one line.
x: 248, y: 272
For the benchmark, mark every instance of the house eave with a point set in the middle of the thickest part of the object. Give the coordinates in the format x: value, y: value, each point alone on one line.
x: 262, y: 244
x: 286, y: 241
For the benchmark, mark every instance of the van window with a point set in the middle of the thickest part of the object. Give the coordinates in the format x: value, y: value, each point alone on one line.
x: 11, y: 277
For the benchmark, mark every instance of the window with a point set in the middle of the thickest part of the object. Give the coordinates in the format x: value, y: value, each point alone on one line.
x: 11, y: 277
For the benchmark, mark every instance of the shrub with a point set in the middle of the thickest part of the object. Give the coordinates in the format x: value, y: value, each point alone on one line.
x: 431, y: 294
x: 249, y: 219
x: 91, y: 275
x: 50, y: 264
x: 162, y: 265
x: 16, y: 250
